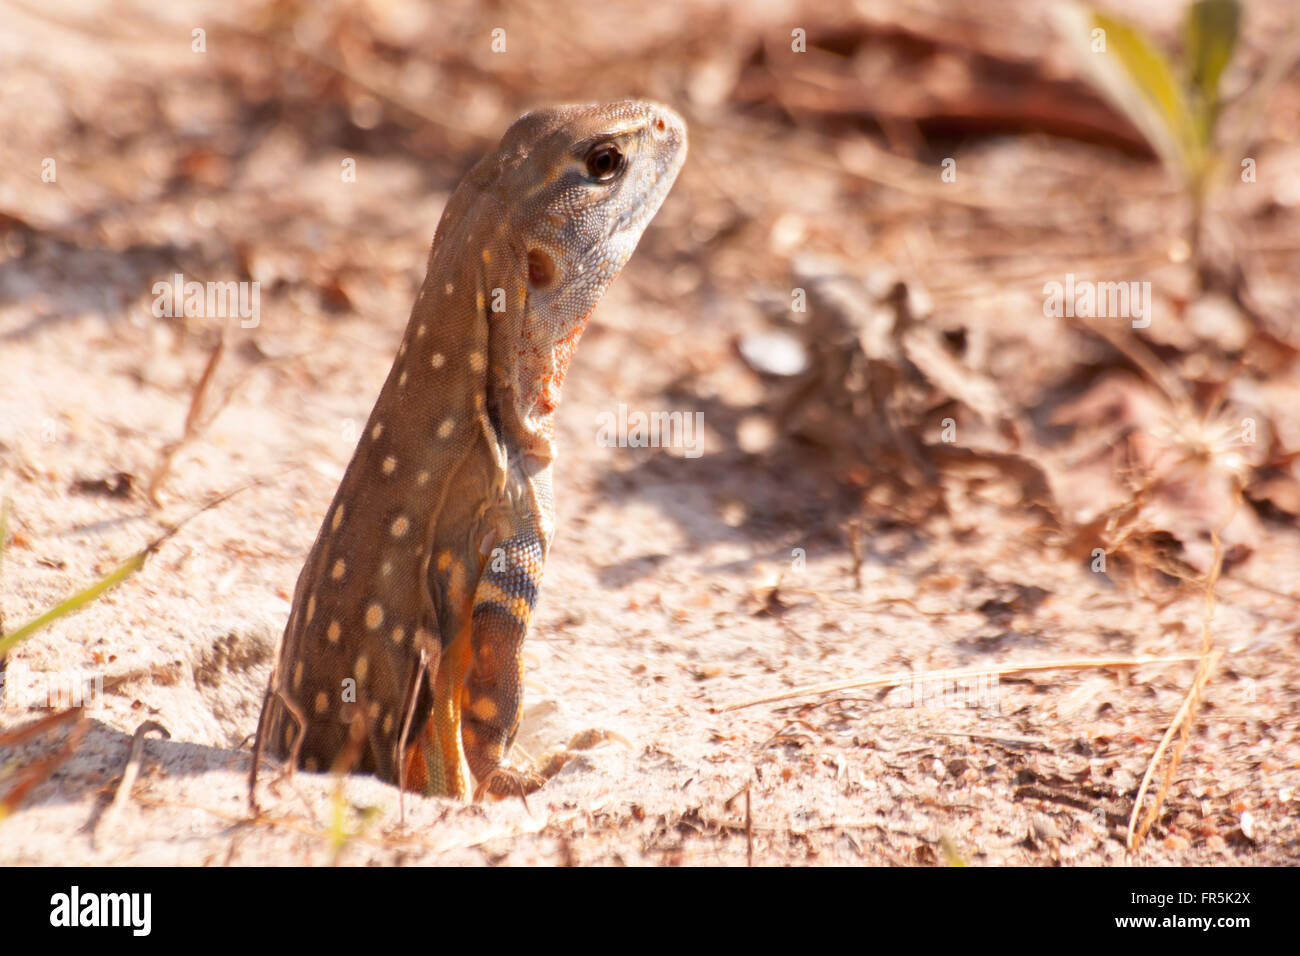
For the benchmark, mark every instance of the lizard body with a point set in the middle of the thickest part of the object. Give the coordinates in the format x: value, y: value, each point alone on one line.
x: 402, y: 654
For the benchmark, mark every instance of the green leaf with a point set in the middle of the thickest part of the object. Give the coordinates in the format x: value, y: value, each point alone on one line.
x: 1211, y: 36
x: 1165, y: 116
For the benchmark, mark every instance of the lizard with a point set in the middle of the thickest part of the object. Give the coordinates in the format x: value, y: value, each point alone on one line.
x: 402, y: 652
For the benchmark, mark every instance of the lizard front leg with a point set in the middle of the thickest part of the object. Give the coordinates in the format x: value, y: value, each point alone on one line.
x: 491, y: 696
x: 478, y: 691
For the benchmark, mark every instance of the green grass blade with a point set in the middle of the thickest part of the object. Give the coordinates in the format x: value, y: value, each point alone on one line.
x: 75, y: 602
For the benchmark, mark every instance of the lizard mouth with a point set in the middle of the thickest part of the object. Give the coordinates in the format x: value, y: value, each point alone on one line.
x: 666, y: 140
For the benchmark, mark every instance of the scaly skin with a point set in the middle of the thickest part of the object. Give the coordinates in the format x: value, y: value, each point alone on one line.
x: 402, y: 655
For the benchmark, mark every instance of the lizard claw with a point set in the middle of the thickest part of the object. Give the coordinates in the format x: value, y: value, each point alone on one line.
x: 506, y: 782
x: 553, y: 762
x: 587, y: 739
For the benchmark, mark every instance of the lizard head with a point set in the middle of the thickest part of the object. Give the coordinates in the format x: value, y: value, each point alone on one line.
x: 583, y: 182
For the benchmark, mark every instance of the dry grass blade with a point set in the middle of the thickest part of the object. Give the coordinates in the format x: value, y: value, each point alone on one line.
x: 12, y: 738
x: 749, y: 829
x: 35, y: 773
x: 1182, y: 721
x: 192, y: 424
x: 1135, y: 350
x: 908, y: 677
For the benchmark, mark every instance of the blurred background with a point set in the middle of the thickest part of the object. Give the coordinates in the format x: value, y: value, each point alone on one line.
x: 937, y: 431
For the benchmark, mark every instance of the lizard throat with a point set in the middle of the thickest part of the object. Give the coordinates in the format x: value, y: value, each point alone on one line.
x: 562, y: 353
x: 543, y: 369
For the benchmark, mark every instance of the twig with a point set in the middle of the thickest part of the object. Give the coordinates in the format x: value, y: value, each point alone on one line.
x: 258, y: 741
x: 129, y: 774
x: 421, y: 671
x: 855, y: 549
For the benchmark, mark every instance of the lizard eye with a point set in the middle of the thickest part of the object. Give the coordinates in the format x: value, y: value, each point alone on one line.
x: 604, y: 162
